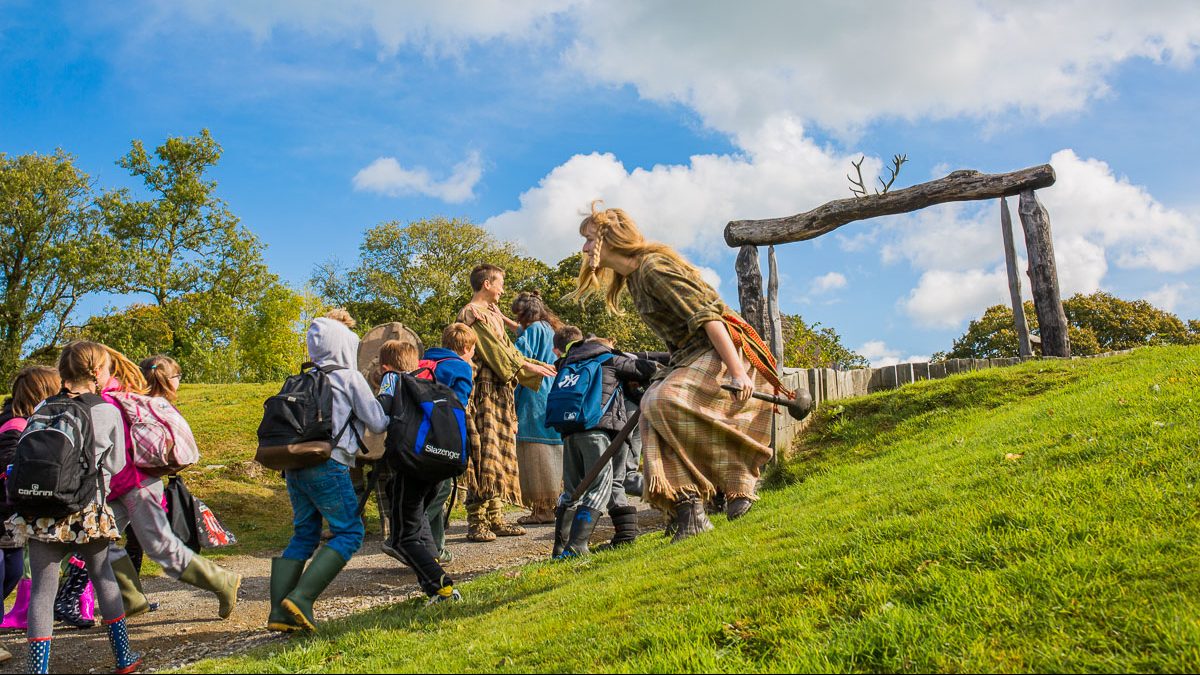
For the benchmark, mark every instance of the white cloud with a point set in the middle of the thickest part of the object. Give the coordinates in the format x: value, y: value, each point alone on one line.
x: 839, y: 65
x: 387, y: 177
x: 687, y: 206
x: 443, y: 28
x: 710, y: 277
x: 827, y: 283
x: 1095, y: 217
x: 1168, y: 296
x: 842, y: 65
x: 946, y: 298
x: 879, y: 355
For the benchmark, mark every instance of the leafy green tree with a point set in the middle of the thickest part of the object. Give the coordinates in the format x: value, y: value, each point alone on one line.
x: 1097, y: 323
x: 183, y: 248
x: 419, y: 273
x: 815, y: 346
x: 51, y: 252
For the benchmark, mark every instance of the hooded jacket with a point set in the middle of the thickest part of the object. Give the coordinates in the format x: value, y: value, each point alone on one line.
x: 331, y: 343
x: 622, y: 367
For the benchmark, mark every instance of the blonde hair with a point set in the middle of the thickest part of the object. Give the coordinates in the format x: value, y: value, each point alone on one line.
x: 31, y: 386
x: 399, y: 355
x: 79, y: 361
x: 342, y: 314
x: 158, y: 371
x: 127, y: 373
x: 616, y: 230
x: 459, y: 338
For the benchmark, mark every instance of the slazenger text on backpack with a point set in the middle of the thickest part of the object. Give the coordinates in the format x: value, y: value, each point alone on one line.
x: 440, y: 452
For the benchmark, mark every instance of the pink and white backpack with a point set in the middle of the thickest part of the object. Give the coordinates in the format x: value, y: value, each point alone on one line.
x: 162, y: 441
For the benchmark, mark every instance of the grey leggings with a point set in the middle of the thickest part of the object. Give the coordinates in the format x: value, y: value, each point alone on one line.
x: 44, y: 559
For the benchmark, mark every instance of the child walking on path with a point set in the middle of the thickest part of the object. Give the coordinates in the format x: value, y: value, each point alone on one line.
x: 88, y: 531
x: 539, y: 448
x: 411, y: 541
x: 325, y: 491
x: 451, y: 364
x: 30, y: 387
x: 575, y: 520
x: 137, y: 502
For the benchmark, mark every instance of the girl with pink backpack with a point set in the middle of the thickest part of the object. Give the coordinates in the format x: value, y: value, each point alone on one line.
x: 145, y: 394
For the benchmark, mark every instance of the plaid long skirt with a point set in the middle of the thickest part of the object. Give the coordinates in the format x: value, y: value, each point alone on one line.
x: 697, y: 439
x: 492, y: 429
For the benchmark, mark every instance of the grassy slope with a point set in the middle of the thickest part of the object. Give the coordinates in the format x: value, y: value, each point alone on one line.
x: 900, y: 538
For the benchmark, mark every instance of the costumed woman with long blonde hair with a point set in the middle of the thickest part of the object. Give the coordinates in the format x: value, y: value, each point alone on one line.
x: 697, y: 438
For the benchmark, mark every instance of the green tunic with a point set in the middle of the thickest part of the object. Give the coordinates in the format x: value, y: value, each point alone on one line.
x: 675, y: 303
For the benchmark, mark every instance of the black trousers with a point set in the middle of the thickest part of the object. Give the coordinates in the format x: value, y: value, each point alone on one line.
x: 410, y: 530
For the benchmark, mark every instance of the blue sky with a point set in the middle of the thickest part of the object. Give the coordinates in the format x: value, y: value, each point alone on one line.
x: 687, y: 115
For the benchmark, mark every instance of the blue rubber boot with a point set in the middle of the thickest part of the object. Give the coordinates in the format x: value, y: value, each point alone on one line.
x: 118, y: 638
x: 39, y: 655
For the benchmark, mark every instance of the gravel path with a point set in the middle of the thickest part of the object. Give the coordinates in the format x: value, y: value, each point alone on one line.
x: 186, y: 629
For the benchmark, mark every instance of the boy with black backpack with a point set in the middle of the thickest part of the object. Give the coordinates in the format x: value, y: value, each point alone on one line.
x: 427, y: 447
x: 586, y: 405
x: 334, y: 403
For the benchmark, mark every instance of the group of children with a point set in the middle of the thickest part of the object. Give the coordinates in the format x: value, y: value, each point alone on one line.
x: 81, y: 397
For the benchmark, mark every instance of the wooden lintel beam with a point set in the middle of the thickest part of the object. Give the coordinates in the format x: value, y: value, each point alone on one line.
x: 959, y: 186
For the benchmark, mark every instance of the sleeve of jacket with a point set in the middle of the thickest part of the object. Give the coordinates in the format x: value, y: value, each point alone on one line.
x: 631, y: 369
x: 366, y: 407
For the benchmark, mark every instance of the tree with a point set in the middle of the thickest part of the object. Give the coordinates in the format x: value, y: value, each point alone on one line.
x: 202, y: 270
x: 419, y: 273
x: 51, y: 252
x: 815, y: 346
x: 1097, y: 323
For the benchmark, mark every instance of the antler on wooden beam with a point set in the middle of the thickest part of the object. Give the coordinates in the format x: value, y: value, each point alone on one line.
x: 959, y: 186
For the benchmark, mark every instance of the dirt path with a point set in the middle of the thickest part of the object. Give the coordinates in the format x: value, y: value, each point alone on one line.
x: 186, y: 628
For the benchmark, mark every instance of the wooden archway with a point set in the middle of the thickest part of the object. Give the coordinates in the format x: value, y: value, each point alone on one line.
x: 955, y: 187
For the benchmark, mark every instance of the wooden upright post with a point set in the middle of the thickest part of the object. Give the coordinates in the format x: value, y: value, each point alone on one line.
x: 750, y: 289
x: 1014, y: 281
x: 774, y: 322
x: 1043, y: 276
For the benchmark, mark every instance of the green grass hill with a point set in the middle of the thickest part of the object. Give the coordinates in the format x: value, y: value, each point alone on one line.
x: 1044, y: 517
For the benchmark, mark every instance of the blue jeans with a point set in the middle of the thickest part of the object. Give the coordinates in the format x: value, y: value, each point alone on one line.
x: 324, y: 492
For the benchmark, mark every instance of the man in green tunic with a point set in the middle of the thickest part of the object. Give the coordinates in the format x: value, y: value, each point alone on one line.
x: 492, y: 476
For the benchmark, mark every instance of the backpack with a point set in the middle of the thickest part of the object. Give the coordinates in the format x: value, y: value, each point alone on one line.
x: 575, y: 402
x: 53, y: 471
x: 427, y: 431
x: 297, y: 425
x: 162, y: 443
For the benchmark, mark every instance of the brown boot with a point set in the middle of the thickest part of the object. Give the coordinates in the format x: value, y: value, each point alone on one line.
x: 477, y: 523
x: 495, y: 519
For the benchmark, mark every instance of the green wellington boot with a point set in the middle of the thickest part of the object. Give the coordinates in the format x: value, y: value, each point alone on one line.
x: 325, y: 565
x: 204, y: 573
x: 130, y: 584
x: 285, y: 572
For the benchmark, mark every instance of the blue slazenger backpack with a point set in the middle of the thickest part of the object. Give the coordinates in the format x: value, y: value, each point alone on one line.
x: 575, y: 401
x: 427, y: 432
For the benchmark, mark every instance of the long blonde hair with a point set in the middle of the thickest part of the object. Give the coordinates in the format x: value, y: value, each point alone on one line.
x: 616, y: 230
x: 126, y: 372
x: 158, y: 371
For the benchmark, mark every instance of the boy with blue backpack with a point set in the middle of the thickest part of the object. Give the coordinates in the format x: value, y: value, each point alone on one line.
x: 427, y: 447
x: 587, y: 406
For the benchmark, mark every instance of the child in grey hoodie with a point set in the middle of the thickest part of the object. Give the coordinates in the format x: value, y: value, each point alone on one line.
x: 325, y: 491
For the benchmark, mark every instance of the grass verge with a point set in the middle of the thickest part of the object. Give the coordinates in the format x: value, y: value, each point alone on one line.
x: 1043, y: 517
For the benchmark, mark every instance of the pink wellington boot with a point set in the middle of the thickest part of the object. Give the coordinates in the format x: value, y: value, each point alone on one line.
x: 87, y: 603
x: 15, y: 619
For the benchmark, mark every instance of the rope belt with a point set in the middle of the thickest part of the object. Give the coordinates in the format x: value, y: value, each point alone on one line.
x: 746, y: 340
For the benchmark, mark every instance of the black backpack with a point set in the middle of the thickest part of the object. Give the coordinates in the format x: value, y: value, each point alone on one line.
x: 427, y: 432
x: 302, y: 411
x: 54, y: 472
